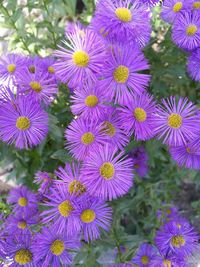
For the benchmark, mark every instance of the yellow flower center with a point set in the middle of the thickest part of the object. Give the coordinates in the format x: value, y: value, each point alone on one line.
x: 123, y: 14
x: 21, y: 225
x: 23, y: 256
x: 65, y: 208
x: 76, y: 187
x: 11, y: 68
x: 51, y: 69
x: 23, y: 123
x: 107, y: 170
x: 88, y: 216
x: 80, y: 58
x: 22, y: 201
x: 196, y: 4
x: 168, y: 211
x: 167, y: 263
x: 188, y: 149
x: 32, y: 69
x: 121, y: 74
x: 177, y: 7
x: 145, y: 260
x: 91, y: 101
x: 36, y: 86
x: 136, y: 166
x: 87, y: 138
x: 140, y: 114
x: 174, y: 121
x: 191, y: 30
x: 57, y: 247
x: 109, y: 128
x: 178, y: 241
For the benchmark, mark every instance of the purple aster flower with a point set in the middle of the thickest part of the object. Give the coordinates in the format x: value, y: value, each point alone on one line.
x: 176, y: 121
x: 178, y: 238
x: 61, y: 210
x: 39, y: 85
x: 47, y: 65
x: 138, y: 116
x: 54, y: 249
x: 83, y: 136
x: 23, y: 123
x: 71, y: 177
x: 122, y: 75
x: 171, y: 9
x: 81, y: 60
x: 19, y: 250
x: 43, y: 179
x: 186, y: 30
x: 145, y: 255
x: 94, y: 215
x: 193, y: 65
x: 111, y: 126
x: 23, y: 200
x: 122, y: 21
x: 88, y: 101
x: 140, y: 160
x: 112, y: 173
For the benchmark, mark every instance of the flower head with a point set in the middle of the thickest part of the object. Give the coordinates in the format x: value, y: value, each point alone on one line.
x: 193, y: 65
x: 145, y: 255
x: 44, y: 180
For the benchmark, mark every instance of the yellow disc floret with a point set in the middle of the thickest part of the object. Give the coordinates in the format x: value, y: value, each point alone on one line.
x: 121, y: 74
x: 177, y: 7
x: 123, y: 14
x: 145, y: 260
x: 36, y: 86
x: 51, y: 69
x: 22, y: 201
x: 57, y: 247
x: 175, y: 121
x: 167, y: 263
x: 91, y: 101
x: 196, y: 4
x: 23, y: 123
x: 191, y: 30
x: 178, y: 241
x: 21, y: 225
x: 109, y: 128
x: 11, y: 68
x: 140, y: 114
x: 76, y: 187
x: 107, y: 170
x: 65, y: 208
x: 81, y: 58
x: 87, y: 138
x: 88, y: 216
x: 23, y: 256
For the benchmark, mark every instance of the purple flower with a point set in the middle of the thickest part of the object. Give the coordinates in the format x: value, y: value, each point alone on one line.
x: 83, y: 136
x: 106, y: 174
x: 71, y: 177
x: 171, y: 9
x: 145, y: 255
x: 122, y: 75
x: 193, y: 65
x: 122, y: 21
x: 161, y: 261
x: 186, y: 30
x: 61, y: 210
x: 81, y: 60
x: 72, y: 28
x: 23, y: 123
x: 47, y: 65
x: 149, y: 2
x: 94, y: 214
x: 140, y: 160
x: 54, y: 249
x: 177, y: 237
x: 44, y: 180
x: 138, y: 117
x: 34, y: 64
x: 175, y: 122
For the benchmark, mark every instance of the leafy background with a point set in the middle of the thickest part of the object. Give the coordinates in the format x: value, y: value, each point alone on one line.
x: 35, y: 28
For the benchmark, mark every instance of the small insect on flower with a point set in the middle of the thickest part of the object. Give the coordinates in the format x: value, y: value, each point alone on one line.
x: 193, y: 65
x: 71, y: 177
x: 122, y: 75
x: 138, y: 117
x: 176, y: 121
x: 145, y: 254
x: 106, y: 174
x: 81, y: 60
x: 122, y: 21
x: 43, y: 179
x: 83, y: 136
x: 186, y: 30
x: 94, y: 215
x: 23, y: 123
x: 54, y: 249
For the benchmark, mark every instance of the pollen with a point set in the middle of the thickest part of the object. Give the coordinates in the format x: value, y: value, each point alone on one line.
x: 88, y: 216
x: 81, y: 58
x: 57, y: 247
x: 87, y: 138
x: 23, y: 123
x: 21, y: 225
x: 11, y: 68
x: 191, y: 30
x: 36, y: 86
x: 121, y: 74
x: 177, y: 7
x: 123, y: 14
x: 91, y: 101
x: 23, y: 256
x: 167, y: 263
x: 76, y: 187
x: 178, y: 241
x: 140, y: 114
x: 65, y: 208
x: 109, y: 128
x: 196, y: 4
x: 174, y: 121
x: 145, y: 260
x: 51, y: 69
x: 107, y: 170
x: 22, y: 201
